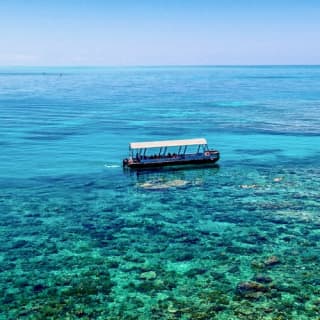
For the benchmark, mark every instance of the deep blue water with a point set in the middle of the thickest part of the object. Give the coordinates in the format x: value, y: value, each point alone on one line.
x: 82, y: 238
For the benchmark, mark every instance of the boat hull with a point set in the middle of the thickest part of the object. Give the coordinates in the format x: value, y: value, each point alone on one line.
x: 180, y: 162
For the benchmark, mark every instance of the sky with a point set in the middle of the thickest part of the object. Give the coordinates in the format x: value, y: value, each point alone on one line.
x: 159, y: 32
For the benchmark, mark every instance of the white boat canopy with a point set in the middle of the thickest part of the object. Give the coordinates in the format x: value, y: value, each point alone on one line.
x: 168, y: 143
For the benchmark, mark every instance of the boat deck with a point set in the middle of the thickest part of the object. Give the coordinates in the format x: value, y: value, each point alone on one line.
x: 197, y: 158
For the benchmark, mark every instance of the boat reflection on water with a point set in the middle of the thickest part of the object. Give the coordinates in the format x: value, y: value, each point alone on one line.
x: 172, y: 177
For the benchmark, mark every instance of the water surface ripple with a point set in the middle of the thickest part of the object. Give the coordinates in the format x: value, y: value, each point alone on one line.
x: 81, y: 238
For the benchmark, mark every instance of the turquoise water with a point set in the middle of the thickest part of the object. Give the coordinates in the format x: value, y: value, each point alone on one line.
x: 81, y: 238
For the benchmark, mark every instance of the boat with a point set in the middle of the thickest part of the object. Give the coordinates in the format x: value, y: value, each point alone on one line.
x: 142, y: 154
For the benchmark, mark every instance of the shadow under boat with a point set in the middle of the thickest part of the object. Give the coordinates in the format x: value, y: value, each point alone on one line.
x: 165, y: 178
x: 188, y: 167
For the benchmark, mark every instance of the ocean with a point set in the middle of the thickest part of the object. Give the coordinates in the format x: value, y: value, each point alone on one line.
x: 82, y: 238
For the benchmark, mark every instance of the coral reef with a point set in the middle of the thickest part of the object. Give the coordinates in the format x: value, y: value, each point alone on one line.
x: 209, y: 250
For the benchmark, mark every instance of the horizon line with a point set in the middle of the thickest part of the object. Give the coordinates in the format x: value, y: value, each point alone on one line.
x: 158, y: 65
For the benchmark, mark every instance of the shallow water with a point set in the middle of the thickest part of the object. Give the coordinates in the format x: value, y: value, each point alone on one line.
x: 81, y: 238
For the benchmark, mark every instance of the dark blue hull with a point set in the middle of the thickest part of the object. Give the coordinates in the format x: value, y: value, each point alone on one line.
x: 173, y: 162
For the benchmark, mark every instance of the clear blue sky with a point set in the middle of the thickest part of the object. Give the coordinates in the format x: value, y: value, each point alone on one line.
x: 159, y: 32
